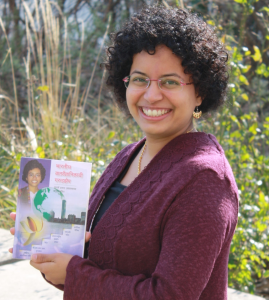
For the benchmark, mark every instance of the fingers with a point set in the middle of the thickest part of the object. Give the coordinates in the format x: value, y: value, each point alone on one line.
x: 13, y: 216
x: 10, y: 250
x: 42, y: 258
x: 43, y: 268
x: 87, y: 236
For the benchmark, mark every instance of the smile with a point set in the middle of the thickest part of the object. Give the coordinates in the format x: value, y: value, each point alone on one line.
x: 155, y: 112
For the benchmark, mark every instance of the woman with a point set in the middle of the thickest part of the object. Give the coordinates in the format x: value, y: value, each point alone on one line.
x: 162, y: 216
x: 33, y: 174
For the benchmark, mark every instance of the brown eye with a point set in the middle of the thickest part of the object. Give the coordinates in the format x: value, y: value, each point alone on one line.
x: 139, y: 80
x: 170, y: 83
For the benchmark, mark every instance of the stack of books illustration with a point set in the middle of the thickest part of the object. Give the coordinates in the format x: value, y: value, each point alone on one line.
x: 52, y: 207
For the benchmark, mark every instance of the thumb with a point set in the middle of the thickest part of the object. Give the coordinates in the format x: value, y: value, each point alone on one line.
x: 42, y: 258
x: 87, y: 236
x: 13, y: 216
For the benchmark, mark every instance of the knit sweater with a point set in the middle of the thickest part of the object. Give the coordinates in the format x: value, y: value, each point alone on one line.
x: 168, y: 234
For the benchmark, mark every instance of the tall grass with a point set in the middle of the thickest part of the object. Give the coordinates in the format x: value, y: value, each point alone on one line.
x: 56, y: 125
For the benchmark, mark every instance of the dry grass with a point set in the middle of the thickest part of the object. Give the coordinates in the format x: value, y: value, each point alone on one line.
x: 57, y: 126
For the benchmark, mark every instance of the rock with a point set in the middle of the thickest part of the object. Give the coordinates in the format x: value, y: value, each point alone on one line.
x: 236, y: 295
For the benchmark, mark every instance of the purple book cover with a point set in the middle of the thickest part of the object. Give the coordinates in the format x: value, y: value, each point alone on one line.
x: 52, y: 207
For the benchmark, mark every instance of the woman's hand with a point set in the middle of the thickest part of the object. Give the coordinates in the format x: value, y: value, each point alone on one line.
x: 53, y: 266
x: 12, y: 230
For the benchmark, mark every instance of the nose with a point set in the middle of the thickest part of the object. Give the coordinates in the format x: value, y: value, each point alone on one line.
x: 153, y: 93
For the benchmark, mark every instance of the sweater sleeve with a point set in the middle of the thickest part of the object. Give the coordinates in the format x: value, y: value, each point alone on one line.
x: 196, y: 226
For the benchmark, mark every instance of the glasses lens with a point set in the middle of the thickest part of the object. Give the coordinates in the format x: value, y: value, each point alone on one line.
x: 170, y: 84
x: 138, y: 82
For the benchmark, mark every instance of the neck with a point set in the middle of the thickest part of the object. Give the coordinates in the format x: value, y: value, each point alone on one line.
x: 155, y: 145
x: 33, y: 189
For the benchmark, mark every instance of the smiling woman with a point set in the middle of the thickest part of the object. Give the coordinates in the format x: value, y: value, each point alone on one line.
x: 162, y: 216
x: 33, y: 174
x: 162, y: 107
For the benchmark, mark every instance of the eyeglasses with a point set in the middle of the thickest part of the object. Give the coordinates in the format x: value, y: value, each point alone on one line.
x: 37, y: 175
x: 140, y: 82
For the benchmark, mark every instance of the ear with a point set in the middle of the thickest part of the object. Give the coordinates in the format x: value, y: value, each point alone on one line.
x: 198, y: 100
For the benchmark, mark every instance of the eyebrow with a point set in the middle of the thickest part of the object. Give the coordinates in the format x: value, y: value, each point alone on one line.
x: 165, y: 75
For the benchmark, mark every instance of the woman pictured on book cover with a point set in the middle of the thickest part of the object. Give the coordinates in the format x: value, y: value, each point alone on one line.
x: 33, y: 174
x: 162, y: 216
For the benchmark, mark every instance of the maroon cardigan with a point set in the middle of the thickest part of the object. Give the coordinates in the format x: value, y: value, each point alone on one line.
x: 168, y: 234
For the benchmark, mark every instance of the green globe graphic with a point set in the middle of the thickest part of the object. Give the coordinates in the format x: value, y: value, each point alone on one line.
x: 46, y: 201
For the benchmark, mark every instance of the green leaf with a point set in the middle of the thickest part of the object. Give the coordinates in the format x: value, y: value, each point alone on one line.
x: 263, y: 70
x: 111, y: 135
x: 265, y: 9
x: 245, y: 97
x: 39, y: 149
x: 245, y: 157
x: 266, y: 273
x: 18, y: 157
x: 234, y: 118
x: 261, y: 197
x: 210, y: 22
x: 243, y: 79
x: 257, y: 55
x: 42, y: 154
x: 246, y: 69
x: 252, y: 128
x: 43, y: 88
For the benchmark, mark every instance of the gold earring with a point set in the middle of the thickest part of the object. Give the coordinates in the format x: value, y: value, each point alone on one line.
x: 197, y: 114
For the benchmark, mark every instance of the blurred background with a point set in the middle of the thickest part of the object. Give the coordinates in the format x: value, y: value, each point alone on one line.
x: 54, y: 103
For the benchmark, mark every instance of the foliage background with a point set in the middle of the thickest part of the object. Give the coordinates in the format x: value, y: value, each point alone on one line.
x: 54, y: 104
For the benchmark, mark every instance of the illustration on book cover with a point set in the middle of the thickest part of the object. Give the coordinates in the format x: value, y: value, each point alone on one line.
x: 52, y: 207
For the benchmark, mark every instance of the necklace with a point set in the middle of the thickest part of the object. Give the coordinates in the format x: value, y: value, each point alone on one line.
x: 140, y: 158
x: 143, y: 150
x: 191, y: 130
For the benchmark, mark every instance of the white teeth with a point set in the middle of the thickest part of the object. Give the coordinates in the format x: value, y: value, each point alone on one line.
x: 154, y: 112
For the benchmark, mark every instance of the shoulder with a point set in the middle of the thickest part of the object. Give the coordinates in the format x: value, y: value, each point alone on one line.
x: 193, y: 156
x: 209, y: 183
x: 23, y: 193
x: 209, y: 155
x: 203, y: 152
x: 23, y: 190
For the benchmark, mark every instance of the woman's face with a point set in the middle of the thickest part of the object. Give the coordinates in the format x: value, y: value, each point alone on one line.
x: 34, y: 177
x: 173, y: 109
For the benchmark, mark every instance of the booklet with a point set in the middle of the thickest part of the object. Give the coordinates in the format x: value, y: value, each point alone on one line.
x: 52, y: 207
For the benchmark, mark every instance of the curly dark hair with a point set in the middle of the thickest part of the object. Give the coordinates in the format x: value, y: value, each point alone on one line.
x: 203, y: 56
x: 32, y: 164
